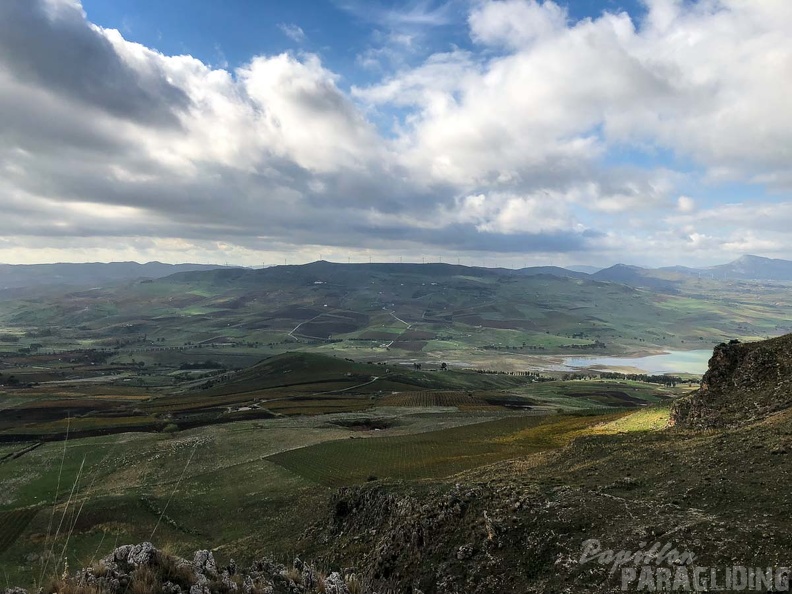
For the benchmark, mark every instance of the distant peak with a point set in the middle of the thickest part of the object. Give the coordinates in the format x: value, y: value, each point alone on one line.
x: 624, y: 267
x: 750, y: 258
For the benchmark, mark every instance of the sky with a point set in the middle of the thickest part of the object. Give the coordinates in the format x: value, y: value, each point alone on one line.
x: 485, y: 132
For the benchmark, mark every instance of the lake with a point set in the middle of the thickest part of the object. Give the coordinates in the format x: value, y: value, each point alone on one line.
x: 670, y: 362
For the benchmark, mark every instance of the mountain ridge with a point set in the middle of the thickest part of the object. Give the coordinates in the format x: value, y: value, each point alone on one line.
x: 746, y: 267
x: 17, y: 276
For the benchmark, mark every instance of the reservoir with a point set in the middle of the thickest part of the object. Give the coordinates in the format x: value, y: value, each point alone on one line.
x: 694, y: 362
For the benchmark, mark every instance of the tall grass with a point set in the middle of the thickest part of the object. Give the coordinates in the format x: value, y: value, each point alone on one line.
x: 45, y: 561
x: 51, y: 552
x: 175, y: 488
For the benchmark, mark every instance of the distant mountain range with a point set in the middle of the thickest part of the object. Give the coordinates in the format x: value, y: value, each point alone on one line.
x: 18, y: 276
x: 746, y: 268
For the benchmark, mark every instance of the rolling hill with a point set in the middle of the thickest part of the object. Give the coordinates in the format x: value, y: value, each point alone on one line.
x: 19, y: 276
x: 464, y: 315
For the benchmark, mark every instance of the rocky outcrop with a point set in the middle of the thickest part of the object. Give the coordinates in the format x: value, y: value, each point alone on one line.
x: 744, y: 383
x: 507, y: 536
x: 143, y: 568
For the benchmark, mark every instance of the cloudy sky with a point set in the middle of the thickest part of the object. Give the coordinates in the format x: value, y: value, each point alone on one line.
x: 501, y: 132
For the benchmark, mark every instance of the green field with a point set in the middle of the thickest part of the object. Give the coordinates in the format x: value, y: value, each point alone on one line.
x: 12, y: 524
x: 436, y: 454
x: 245, y: 488
x: 292, y: 384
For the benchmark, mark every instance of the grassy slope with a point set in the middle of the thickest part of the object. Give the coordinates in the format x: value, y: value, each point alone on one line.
x: 237, y: 493
x: 623, y: 479
x: 434, y: 454
x: 721, y: 495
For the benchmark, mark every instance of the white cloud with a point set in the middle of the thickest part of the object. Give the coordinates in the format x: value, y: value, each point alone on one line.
x: 508, y: 213
x: 686, y: 204
x: 509, y: 145
x: 415, y: 13
x: 292, y: 31
x: 567, y: 92
x: 515, y: 23
x: 299, y: 108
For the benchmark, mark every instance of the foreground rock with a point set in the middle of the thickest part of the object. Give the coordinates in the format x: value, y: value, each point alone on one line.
x: 744, y: 383
x: 142, y: 568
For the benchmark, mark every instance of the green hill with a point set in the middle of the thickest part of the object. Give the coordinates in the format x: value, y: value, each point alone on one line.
x: 433, y: 312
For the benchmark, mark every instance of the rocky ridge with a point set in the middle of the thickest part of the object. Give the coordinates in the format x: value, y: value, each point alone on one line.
x: 744, y: 383
x: 143, y: 569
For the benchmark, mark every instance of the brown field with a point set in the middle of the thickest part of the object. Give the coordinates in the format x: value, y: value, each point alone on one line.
x: 318, y: 406
x: 295, y: 312
x: 614, y: 398
x: 417, y: 335
x: 378, y: 335
x: 322, y: 327
x: 461, y: 400
x: 415, y: 346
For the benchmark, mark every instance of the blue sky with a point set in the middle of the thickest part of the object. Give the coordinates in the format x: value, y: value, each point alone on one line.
x: 219, y: 32
x: 233, y: 32
x: 519, y: 131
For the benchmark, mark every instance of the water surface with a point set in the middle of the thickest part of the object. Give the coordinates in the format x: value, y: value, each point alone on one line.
x: 670, y: 362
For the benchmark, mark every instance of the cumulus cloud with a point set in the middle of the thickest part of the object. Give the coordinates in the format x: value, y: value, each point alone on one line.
x: 49, y: 46
x: 516, y: 23
x: 536, y: 138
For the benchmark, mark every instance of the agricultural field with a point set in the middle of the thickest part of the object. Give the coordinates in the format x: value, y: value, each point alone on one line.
x: 235, y: 464
x: 436, y: 454
x: 291, y: 384
x: 468, y: 317
x: 588, y: 394
x: 243, y: 488
x: 460, y: 400
x: 12, y: 524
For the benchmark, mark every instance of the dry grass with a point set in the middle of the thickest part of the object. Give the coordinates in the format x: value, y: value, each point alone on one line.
x: 353, y: 584
x: 145, y: 580
x: 172, y: 570
x: 69, y: 586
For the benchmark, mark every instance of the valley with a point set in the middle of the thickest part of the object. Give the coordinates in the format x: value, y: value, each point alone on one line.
x: 225, y: 409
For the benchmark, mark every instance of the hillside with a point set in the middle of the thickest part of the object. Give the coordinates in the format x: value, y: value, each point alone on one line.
x: 675, y: 278
x: 89, y: 274
x: 310, y: 372
x: 716, y: 499
x: 744, y: 383
x: 635, y: 276
x: 520, y: 526
x: 467, y: 317
x: 753, y: 268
